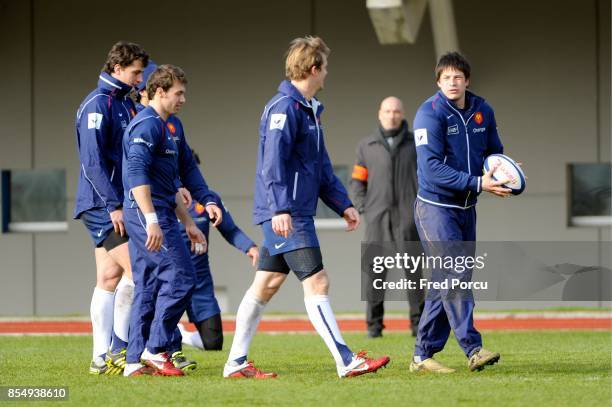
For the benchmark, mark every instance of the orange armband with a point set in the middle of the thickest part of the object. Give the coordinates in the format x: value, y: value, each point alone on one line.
x: 360, y: 173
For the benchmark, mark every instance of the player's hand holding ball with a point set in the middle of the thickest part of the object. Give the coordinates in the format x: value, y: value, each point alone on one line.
x: 503, y: 176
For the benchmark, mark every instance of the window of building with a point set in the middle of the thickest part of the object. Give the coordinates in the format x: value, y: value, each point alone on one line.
x: 34, y: 200
x: 589, y: 194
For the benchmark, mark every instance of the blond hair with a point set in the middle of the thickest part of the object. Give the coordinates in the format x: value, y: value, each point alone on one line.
x: 303, y: 54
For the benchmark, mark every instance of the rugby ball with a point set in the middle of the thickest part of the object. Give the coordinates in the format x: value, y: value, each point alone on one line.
x: 508, y: 169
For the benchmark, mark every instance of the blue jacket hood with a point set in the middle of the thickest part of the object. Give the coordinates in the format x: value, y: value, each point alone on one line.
x: 108, y: 83
x: 151, y: 67
x: 287, y: 88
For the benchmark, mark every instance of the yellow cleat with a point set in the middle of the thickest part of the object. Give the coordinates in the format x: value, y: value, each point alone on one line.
x: 115, y: 362
x: 482, y: 358
x: 430, y: 365
x: 98, y: 367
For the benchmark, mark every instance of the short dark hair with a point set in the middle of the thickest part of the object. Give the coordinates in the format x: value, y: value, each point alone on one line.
x: 124, y: 53
x: 455, y: 61
x: 164, y: 77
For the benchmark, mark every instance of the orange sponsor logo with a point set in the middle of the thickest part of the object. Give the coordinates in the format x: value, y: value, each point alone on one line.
x: 199, y: 208
x: 478, y: 118
x: 171, y: 128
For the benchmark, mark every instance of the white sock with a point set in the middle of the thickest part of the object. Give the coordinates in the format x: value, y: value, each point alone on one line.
x: 124, y: 295
x: 323, y: 319
x: 131, y: 368
x: 158, y: 357
x: 101, y: 312
x: 247, y: 319
x: 191, y: 338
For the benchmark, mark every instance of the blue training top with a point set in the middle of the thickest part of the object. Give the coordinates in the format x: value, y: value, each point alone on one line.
x: 156, y: 153
x: 451, y: 146
x: 100, y: 122
x: 293, y: 167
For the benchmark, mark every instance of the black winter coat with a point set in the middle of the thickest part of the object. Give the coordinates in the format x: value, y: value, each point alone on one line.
x: 384, y: 186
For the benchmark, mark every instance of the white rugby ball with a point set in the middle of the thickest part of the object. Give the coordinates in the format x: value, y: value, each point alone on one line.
x: 508, y: 169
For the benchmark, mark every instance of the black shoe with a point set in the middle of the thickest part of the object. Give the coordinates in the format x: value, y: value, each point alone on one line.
x: 375, y: 334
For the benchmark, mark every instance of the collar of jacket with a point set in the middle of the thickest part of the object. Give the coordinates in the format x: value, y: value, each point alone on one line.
x: 287, y: 88
x: 473, y: 102
x: 153, y: 113
x: 107, y: 82
x: 403, y: 135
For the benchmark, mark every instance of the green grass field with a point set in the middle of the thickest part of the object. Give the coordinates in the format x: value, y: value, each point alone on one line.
x: 536, y: 368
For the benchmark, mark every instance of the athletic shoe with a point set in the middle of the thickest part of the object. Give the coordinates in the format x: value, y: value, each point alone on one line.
x: 362, y: 365
x: 142, y: 371
x: 246, y: 371
x: 430, y: 365
x: 161, y: 362
x: 180, y: 361
x: 375, y: 334
x: 98, y: 367
x: 482, y: 358
x: 115, y: 361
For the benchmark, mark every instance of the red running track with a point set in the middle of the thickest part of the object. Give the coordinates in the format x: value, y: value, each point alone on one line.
x: 355, y: 325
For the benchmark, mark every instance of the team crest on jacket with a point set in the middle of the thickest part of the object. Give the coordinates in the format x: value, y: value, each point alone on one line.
x: 173, y: 129
x: 478, y: 118
x: 199, y: 208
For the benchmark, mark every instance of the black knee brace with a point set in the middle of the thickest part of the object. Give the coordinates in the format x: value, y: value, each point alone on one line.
x: 211, y: 332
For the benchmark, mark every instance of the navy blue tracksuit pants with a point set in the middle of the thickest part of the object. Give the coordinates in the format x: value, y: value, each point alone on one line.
x: 444, y: 310
x: 163, y: 283
x: 203, y: 304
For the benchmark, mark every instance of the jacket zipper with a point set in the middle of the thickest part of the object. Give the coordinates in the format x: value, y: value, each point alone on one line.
x: 127, y: 112
x: 295, y: 183
x: 314, y: 111
x: 467, y: 139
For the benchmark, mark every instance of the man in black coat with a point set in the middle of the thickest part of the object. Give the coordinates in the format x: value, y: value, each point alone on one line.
x: 384, y: 187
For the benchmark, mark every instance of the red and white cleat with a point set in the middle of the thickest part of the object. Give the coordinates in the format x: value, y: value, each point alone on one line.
x: 143, y: 371
x: 161, y: 362
x: 246, y: 371
x: 361, y: 364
